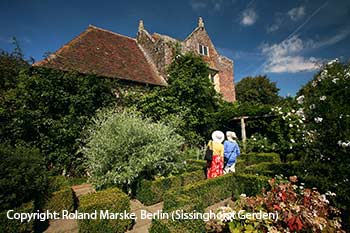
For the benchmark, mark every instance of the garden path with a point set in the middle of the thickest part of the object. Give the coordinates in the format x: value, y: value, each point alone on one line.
x: 141, y: 225
x: 69, y: 225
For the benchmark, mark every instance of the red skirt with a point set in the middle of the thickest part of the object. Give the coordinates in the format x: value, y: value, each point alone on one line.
x: 215, y: 167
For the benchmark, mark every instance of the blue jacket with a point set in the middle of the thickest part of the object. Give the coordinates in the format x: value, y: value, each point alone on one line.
x: 231, y: 152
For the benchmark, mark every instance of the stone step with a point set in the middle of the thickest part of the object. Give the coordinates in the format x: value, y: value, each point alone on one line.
x: 63, y: 226
x: 83, y: 189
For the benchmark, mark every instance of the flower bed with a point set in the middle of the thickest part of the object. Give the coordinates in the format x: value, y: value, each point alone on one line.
x: 298, y: 209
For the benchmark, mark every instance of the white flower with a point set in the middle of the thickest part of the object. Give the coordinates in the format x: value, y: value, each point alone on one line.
x: 243, y: 195
x: 290, y: 125
x: 300, y: 112
x: 300, y: 99
x: 322, y: 98
x: 335, y: 80
x: 292, y: 140
x: 312, y: 106
x: 318, y: 119
x: 314, y: 83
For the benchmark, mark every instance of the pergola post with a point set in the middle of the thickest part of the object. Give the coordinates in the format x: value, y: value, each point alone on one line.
x: 244, y: 137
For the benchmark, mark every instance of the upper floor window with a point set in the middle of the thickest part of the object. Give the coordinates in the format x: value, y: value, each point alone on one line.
x: 203, y: 50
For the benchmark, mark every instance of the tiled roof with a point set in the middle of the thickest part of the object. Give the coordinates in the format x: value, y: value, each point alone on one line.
x: 104, y: 53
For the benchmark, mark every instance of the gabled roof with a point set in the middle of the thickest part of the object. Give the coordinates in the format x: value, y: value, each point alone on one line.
x: 104, y: 53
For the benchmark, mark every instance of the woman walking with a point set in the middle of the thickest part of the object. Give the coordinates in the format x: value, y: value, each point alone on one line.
x: 215, y: 166
x: 231, y: 152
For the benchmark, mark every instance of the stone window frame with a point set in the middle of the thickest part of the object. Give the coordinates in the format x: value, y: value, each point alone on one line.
x: 203, y: 50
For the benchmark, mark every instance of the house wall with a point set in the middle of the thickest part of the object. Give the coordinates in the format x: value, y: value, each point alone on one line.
x: 224, y: 82
x: 159, y: 48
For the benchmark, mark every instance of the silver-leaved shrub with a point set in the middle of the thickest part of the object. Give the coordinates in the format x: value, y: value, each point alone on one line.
x: 122, y: 148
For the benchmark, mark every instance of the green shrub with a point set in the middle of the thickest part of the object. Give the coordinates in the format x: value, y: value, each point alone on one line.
x: 49, y: 108
x: 13, y: 225
x: 151, y: 191
x: 185, y: 203
x: 202, y: 194
x: 197, y: 162
x: 60, y: 200
x: 192, y: 177
x: 272, y: 169
x: 22, y: 175
x: 76, y: 180
x: 56, y: 183
x: 113, y: 200
x: 254, y: 158
x: 324, y: 102
x: 123, y: 148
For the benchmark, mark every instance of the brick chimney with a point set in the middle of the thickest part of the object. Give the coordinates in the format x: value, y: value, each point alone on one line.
x: 141, y: 27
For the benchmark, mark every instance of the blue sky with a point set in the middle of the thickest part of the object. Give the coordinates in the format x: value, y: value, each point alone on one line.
x: 285, y: 40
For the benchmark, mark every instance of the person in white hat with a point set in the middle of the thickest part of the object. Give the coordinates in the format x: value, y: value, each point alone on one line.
x: 231, y: 152
x: 215, y: 166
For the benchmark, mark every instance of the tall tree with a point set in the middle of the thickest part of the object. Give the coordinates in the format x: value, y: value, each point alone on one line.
x: 189, y: 96
x: 257, y: 90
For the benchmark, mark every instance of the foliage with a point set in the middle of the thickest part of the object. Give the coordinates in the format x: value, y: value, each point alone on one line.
x: 190, y: 98
x: 123, y: 148
x: 299, y: 210
x: 325, y: 104
x: 255, y: 158
x: 286, y: 131
x: 10, y: 66
x: 12, y: 225
x: 259, y: 143
x: 151, y: 191
x: 60, y: 200
x: 111, y: 200
x: 257, y: 90
x: 48, y: 109
x: 23, y: 176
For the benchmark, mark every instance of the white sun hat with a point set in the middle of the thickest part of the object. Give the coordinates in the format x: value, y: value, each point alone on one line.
x: 218, y: 136
x: 231, y: 135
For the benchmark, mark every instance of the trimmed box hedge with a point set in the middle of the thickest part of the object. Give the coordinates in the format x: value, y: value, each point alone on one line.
x: 202, y: 194
x: 13, y: 225
x: 196, y: 162
x: 60, y: 200
x: 272, y: 169
x: 111, y: 199
x: 255, y: 158
x: 57, y: 183
x: 151, y: 191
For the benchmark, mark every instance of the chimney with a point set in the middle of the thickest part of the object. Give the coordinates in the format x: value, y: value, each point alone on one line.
x: 141, y: 27
x: 200, y: 22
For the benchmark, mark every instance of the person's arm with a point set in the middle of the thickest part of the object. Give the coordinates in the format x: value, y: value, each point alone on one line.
x: 226, y: 152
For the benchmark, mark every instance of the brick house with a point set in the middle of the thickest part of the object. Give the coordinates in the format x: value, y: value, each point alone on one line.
x: 142, y: 60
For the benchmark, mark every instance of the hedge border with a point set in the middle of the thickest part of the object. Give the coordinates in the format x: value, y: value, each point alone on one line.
x: 198, y: 196
x: 111, y: 199
x: 151, y: 192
